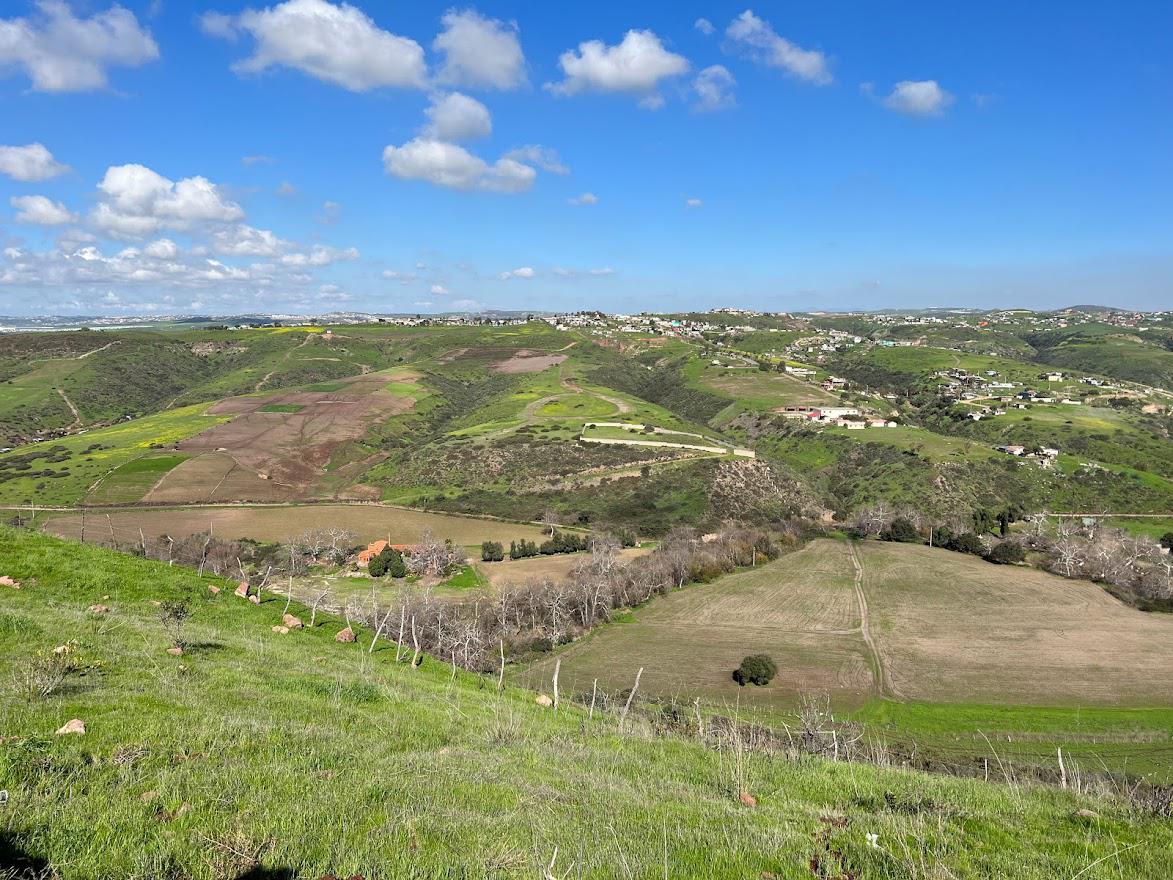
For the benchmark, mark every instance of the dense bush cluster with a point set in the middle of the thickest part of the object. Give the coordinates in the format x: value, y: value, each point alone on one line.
x: 559, y: 542
x: 388, y: 563
x: 758, y: 669
x: 21, y: 464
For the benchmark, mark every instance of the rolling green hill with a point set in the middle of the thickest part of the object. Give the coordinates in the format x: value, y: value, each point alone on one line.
x: 259, y: 754
x: 1109, y: 350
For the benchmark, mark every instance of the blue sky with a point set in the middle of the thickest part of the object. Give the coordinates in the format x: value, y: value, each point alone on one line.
x: 307, y: 156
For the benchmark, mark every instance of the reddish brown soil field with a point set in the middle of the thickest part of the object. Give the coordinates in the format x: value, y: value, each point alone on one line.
x: 275, y: 456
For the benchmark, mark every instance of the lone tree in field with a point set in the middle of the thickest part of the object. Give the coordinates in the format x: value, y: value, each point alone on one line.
x: 757, y: 669
x: 551, y: 520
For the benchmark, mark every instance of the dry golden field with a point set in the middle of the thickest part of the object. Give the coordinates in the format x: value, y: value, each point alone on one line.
x: 941, y: 627
x: 368, y: 522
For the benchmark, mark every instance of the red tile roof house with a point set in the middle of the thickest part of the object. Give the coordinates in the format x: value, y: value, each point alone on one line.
x: 376, y: 547
x: 373, y: 550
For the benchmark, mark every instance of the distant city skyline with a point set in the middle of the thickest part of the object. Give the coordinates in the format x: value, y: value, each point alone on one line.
x: 308, y: 156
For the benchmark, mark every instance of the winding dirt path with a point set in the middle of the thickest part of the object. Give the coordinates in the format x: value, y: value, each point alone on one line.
x: 269, y: 375
x: 78, y: 357
x: 72, y: 408
x: 622, y: 405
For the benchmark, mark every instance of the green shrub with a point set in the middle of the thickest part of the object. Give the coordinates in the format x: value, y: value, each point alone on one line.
x: 389, y: 563
x: 492, y: 551
x: 902, y: 530
x: 758, y: 669
x: 396, y: 567
x: 966, y: 543
x: 1007, y: 553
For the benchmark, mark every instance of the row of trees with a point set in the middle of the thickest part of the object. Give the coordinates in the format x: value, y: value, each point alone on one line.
x: 559, y: 542
x: 481, y: 631
x: 1137, y: 568
x: 905, y: 531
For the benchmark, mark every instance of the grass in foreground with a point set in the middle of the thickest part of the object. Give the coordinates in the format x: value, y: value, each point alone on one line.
x: 295, y: 756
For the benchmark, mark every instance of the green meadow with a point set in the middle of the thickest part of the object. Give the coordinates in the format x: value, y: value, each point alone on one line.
x: 262, y: 754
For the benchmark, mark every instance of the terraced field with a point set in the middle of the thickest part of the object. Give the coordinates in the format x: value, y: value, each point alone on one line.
x: 767, y: 391
x: 90, y: 461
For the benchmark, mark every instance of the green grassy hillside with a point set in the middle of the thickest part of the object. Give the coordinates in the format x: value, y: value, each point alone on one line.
x: 1107, y: 349
x: 258, y: 754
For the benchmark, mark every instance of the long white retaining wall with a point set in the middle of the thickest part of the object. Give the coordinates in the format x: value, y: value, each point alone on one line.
x: 614, y: 441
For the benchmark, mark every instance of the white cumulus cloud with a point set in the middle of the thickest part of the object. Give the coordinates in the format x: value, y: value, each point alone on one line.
x: 479, y: 52
x: 693, y: 203
x: 635, y: 66
x: 247, y: 241
x: 704, y: 26
x: 401, y: 277
x: 337, y: 43
x: 757, y: 39
x: 320, y: 255
x: 601, y: 272
x: 61, y: 52
x: 450, y: 165
x: 138, y: 201
x: 41, y: 211
x: 918, y: 98
x: 522, y: 272
x: 29, y: 163
x: 545, y: 158
x: 714, y: 89
x: 163, y: 249
x: 457, y: 117
x: 587, y: 198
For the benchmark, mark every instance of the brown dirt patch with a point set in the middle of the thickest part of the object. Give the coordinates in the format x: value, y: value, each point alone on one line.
x: 215, y: 476
x: 528, y: 362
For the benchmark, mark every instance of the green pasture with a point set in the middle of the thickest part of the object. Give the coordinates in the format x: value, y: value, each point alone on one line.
x: 98, y: 454
x: 262, y: 754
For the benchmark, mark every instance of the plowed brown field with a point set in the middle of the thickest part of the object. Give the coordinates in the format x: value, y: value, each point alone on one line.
x: 277, y: 456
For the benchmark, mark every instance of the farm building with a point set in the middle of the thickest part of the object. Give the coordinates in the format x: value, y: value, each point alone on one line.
x: 374, y: 548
